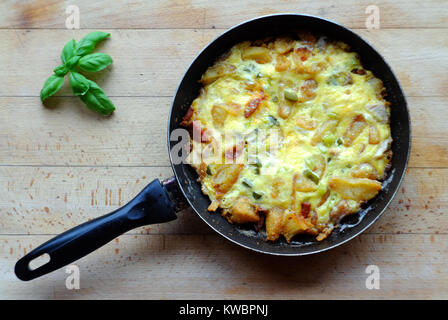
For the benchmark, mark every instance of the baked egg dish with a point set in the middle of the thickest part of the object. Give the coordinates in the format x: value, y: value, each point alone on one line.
x: 289, y: 134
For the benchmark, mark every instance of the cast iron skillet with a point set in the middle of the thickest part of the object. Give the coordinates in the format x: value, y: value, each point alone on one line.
x: 159, y: 201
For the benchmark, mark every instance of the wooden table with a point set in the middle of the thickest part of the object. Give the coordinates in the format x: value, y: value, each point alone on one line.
x: 62, y: 164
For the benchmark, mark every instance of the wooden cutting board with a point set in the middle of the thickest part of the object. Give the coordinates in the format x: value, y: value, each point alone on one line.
x: 61, y: 165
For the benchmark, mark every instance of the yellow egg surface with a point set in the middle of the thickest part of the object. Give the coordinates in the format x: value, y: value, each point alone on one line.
x: 289, y: 134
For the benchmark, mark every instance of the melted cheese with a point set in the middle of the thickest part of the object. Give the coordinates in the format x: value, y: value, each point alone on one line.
x: 306, y: 122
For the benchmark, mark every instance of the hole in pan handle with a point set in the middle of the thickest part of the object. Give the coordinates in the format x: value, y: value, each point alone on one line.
x: 156, y: 203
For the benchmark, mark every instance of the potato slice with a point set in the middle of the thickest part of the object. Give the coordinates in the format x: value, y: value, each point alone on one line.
x: 377, y: 86
x: 343, y: 209
x: 214, y: 205
x: 327, y: 126
x: 365, y: 170
x: 282, y: 64
x: 299, y: 56
x: 283, y: 45
x: 234, y: 108
x: 379, y: 111
x: 284, y: 110
x: 325, y: 233
x: 226, y: 176
x: 359, y: 189
x: 309, y: 89
x: 354, y: 129
x: 215, y: 72
x: 306, y: 123
x: 259, y: 54
x: 277, y: 187
x: 294, y: 224
x: 219, y: 115
x: 274, y: 220
x: 243, y: 212
x: 302, y: 184
x: 374, y: 135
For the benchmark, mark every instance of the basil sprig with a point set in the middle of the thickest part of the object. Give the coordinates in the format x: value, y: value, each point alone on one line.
x: 79, y: 55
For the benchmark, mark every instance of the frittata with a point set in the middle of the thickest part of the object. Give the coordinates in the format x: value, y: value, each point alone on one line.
x: 290, y: 134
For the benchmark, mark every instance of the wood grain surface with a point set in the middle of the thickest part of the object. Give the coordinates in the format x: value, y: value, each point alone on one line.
x: 61, y: 164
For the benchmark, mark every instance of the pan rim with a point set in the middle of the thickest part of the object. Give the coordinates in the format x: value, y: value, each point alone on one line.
x: 385, y: 206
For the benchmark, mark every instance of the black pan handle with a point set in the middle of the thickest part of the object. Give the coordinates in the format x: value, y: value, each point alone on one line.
x: 150, y: 206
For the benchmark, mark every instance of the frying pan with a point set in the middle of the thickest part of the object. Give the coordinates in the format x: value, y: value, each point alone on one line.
x: 159, y: 201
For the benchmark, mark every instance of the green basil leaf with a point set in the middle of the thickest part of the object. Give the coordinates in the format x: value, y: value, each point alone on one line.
x: 68, y: 51
x: 94, y: 62
x: 96, y: 100
x: 51, y: 86
x: 72, y: 62
x: 61, y: 70
x: 88, y: 43
x: 80, y: 84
